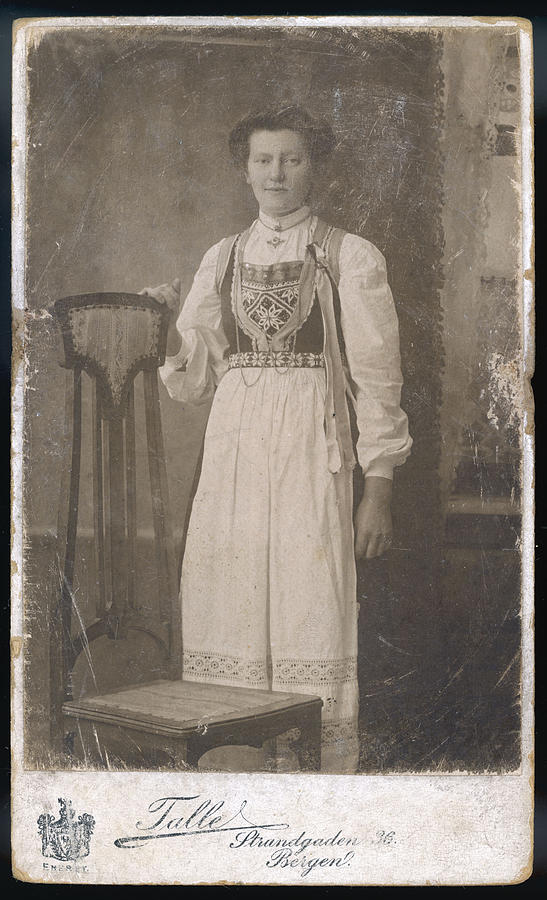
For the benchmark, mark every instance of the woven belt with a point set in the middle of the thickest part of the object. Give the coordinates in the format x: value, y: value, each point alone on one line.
x: 278, y: 359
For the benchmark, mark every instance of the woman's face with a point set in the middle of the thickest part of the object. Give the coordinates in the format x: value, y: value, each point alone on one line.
x: 279, y: 171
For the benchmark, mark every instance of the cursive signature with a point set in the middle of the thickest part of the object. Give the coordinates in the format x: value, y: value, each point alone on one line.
x: 171, y: 818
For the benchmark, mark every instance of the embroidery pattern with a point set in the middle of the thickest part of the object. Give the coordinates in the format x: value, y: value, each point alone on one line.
x: 315, y: 671
x: 212, y: 666
x: 277, y: 358
x: 343, y: 731
x: 272, y: 275
x: 269, y: 307
x: 209, y: 664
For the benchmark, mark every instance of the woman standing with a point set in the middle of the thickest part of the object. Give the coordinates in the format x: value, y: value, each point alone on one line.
x: 282, y: 324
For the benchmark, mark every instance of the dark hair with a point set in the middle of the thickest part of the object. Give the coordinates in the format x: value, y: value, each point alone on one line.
x: 317, y: 134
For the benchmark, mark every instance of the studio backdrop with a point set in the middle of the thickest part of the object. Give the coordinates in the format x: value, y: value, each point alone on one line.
x: 130, y: 181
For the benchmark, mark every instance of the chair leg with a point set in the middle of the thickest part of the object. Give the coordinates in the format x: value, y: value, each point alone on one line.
x: 68, y: 744
x: 270, y: 747
x: 307, y: 745
x: 192, y: 753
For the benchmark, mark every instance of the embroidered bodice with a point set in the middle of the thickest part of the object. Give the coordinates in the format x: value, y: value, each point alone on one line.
x: 270, y: 310
x: 269, y: 297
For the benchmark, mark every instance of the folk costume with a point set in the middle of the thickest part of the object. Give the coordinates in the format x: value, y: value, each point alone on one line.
x: 284, y: 324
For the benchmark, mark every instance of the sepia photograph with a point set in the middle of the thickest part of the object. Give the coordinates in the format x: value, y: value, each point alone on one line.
x: 275, y: 399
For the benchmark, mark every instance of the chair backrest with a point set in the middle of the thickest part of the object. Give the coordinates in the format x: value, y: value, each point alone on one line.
x: 112, y: 337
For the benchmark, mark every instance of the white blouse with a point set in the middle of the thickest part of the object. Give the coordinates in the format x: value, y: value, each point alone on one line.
x: 369, y: 324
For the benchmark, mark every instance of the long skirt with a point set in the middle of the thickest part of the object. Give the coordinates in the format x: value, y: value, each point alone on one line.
x: 268, y: 580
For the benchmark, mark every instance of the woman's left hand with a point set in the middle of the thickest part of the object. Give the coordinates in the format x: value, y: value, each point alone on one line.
x: 373, y: 526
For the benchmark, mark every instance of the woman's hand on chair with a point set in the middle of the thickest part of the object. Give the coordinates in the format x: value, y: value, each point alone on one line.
x: 373, y: 526
x: 170, y: 295
x: 166, y: 293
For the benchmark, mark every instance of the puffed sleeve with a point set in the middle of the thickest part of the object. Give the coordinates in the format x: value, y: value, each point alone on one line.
x: 193, y: 374
x: 371, y: 334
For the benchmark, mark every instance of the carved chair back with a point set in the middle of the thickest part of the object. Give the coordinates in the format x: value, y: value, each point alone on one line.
x: 112, y: 338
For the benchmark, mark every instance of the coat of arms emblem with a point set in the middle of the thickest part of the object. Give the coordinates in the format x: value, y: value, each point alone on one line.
x: 68, y: 837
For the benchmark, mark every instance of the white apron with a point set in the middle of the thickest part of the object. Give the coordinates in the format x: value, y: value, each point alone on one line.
x: 268, y: 581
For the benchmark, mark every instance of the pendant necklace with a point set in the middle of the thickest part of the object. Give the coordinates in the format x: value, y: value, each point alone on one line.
x: 274, y: 241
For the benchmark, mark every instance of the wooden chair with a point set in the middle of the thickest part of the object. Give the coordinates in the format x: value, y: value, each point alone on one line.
x: 168, y: 722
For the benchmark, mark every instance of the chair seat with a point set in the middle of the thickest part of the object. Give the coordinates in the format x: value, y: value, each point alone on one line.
x: 182, y: 708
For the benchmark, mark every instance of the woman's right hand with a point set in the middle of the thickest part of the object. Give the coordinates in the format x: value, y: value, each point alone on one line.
x: 170, y: 295
x: 166, y: 293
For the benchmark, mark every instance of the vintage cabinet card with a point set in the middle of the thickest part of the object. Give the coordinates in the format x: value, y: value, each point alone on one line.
x: 272, y: 434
